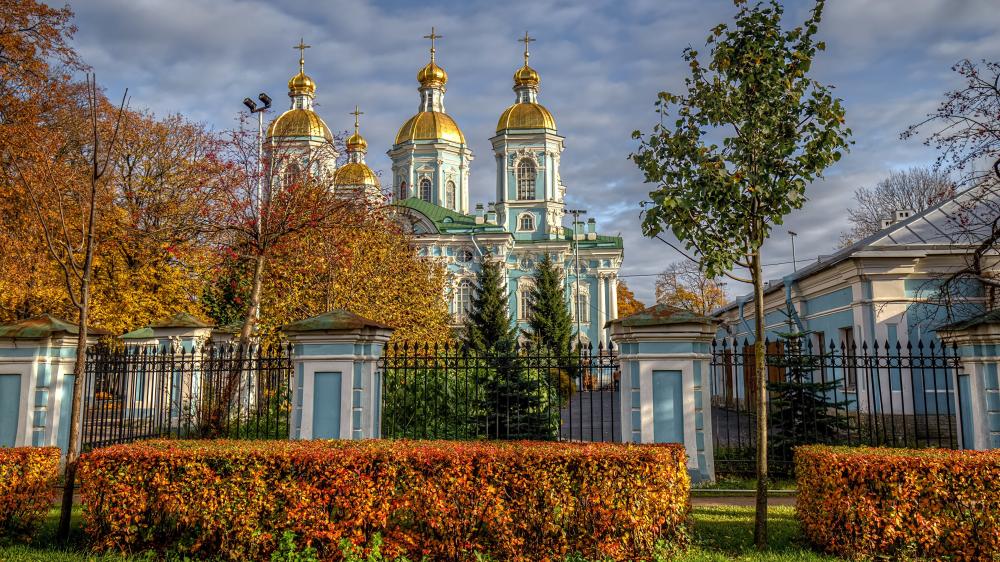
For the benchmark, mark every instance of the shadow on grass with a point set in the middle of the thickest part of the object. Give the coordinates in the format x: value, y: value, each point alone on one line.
x: 726, y: 533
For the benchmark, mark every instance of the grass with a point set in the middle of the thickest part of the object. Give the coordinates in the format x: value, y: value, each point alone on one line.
x: 720, y: 533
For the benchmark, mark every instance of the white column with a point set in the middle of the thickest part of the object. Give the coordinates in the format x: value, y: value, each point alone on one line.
x: 613, y: 297
x: 602, y: 284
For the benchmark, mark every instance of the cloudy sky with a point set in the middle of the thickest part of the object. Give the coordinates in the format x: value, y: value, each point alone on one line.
x: 601, y: 63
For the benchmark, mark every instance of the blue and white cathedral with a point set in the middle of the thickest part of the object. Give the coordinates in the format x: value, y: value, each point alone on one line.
x: 430, y: 197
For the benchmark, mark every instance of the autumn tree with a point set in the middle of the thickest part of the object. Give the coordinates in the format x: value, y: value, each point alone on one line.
x: 732, y: 155
x: 628, y: 304
x: 965, y: 128
x: 914, y: 189
x: 684, y: 285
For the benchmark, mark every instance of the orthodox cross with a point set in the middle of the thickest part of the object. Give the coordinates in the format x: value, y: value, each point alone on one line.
x: 302, y: 53
x: 357, y: 112
x: 526, y: 40
x: 432, y: 37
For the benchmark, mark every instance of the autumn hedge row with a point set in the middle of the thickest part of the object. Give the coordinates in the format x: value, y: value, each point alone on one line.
x: 27, y: 475
x: 900, y: 503
x: 443, y: 500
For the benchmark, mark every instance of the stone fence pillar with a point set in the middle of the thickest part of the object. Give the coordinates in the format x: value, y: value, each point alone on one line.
x: 665, y: 356
x: 977, y: 396
x: 336, y: 386
x: 36, y: 381
x: 180, y: 331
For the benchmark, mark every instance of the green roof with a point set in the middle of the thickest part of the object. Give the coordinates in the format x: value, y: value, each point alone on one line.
x: 42, y: 327
x: 140, y: 334
x: 335, y: 320
x: 180, y: 320
x: 448, y: 221
x: 988, y: 318
x: 664, y: 314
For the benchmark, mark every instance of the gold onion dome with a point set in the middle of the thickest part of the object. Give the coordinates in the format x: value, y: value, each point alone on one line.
x: 430, y: 125
x: 355, y: 173
x: 432, y: 76
x: 526, y: 76
x: 301, y: 85
x: 356, y: 142
x: 526, y: 115
x: 299, y: 123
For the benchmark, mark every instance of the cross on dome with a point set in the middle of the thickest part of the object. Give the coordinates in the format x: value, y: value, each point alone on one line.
x: 302, y: 53
x: 526, y: 40
x: 432, y: 37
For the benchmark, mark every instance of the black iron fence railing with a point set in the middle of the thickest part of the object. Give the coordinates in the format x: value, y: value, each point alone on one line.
x: 889, y: 395
x: 451, y: 392
x: 134, y: 392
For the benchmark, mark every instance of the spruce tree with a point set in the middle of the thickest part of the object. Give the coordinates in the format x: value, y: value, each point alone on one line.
x: 489, y: 326
x: 550, y: 321
x: 510, y: 402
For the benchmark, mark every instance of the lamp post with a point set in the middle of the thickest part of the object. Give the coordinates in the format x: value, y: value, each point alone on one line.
x: 252, y: 106
x: 576, y: 257
x: 793, y: 234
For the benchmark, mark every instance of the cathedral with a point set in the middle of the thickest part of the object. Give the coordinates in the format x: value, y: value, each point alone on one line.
x: 429, y: 194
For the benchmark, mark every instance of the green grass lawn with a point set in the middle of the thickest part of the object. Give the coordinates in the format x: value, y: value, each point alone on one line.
x: 720, y: 533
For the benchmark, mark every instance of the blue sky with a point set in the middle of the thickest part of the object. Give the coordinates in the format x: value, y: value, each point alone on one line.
x: 601, y: 63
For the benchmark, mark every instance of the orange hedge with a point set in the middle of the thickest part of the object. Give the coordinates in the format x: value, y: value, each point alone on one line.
x: 900, y: 503
x: 444, y: 500
x: 27, y: 475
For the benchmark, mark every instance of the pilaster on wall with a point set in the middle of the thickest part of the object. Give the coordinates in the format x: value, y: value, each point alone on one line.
x: 978, y: 382
x: 665, y: 356
x: 37, y: 358
x: 336, y: 389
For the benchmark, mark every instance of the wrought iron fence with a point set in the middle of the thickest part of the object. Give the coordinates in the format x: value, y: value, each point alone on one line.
x: 889, y: 395
x: 134, y: 392
x: 451, y: 392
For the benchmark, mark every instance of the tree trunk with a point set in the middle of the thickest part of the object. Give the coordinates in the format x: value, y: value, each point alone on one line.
x: 254, y: 311
x: 760, y: 373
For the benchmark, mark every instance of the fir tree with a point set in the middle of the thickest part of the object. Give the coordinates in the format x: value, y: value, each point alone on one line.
x: 511, y: 404
x: 805, y: 409
x: 489, y: 326
x: 550, y: 321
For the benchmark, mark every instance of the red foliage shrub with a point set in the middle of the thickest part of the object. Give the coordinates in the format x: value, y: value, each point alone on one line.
x: 27, y: 475
x: 445, y: 500
x: 900, y: 503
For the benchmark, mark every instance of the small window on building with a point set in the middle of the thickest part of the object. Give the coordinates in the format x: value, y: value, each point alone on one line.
x: 525, y: 304
x: 463, y: 300
x: 425, y: 189
x: 526, y: 172
x: 293, y: 174
x: 450, y: 195
x: 402, y: 191
x: 582, y: 308
x: 526, y: 222
x: 464, y: 255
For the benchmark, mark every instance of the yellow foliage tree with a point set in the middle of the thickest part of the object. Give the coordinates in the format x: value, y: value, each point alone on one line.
x: 685, y: 286
x: 627, y: 303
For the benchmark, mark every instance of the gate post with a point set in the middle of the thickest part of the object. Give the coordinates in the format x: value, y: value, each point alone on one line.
x: 977, y: 396
x: 665, y: 355
x: 336, y: 386
x: 36, y: 381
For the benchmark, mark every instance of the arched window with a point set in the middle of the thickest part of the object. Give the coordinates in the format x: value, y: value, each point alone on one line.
x: 463, y: 300
x: 525, y: 308
x: 526, y: 222
x: 293, y: 174
x: 425, y: 189
x: 402, y: 191
x: 450, y: 195
x: 526, y: 179
x: 583, y: 306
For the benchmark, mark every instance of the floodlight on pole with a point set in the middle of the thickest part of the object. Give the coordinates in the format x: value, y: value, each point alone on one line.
x: 793, y: 234
x: 576, y: 280
x: 252, y: 106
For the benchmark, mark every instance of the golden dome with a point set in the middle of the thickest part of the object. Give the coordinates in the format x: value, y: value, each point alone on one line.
x: 526, y: 76
x: 526, y: 116
x: 356, y: 142
x: 432, y: 75
x: 430, y: 125
x: 301, y: 84
x: 355, y: 173
x: 299, y: 123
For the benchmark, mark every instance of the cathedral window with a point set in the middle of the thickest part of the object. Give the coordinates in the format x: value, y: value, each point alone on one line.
x: 463, y: 300
x: 525, y: 304
x: 425, y: 189
x: 464, y: 255
x: 293, y: 174
x: 526, y: 222
x: 582, y: 307
x: 450, y: 194
x: 402, y: 191
x: 526, y: 179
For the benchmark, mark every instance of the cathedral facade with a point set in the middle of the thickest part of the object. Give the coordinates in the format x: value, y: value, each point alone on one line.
x: 429, y: 196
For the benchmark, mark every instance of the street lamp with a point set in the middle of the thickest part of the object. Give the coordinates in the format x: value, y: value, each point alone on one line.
x: 793, y: 234
x: 252, y: 106
x: 576, y: 256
